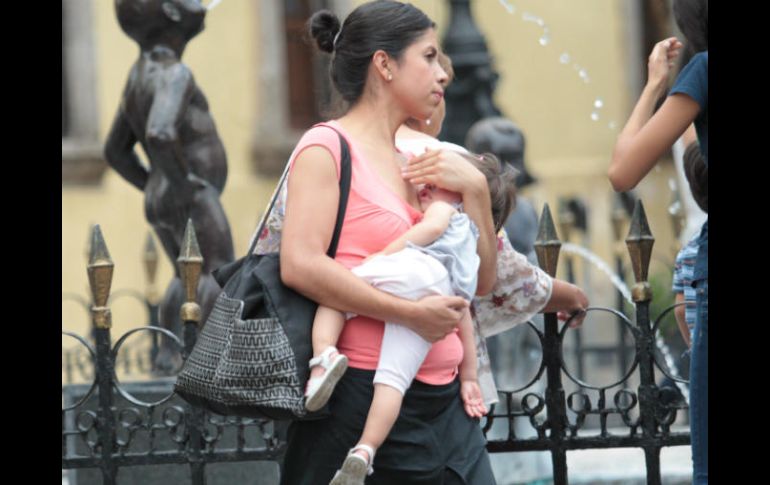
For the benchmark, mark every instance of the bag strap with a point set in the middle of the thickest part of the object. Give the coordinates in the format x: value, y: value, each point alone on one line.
x: 345, y: 171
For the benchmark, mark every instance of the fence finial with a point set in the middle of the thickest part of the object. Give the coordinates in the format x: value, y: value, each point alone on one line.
x: 190, y: 262
x: 639, y: 242
x: 100, y: 269
x: 547, y: 245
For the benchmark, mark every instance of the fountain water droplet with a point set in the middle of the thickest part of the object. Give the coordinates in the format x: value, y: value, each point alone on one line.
x: 213, y: 4
x: 598, y: 103
x: 564, y: 58
x: 544, y: 39
x: 612, y: 125
x: 510, y: 8
x: 595, y: 116
x: 570, y: 248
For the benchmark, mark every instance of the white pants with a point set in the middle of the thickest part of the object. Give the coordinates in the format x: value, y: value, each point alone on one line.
x: 409, y: 274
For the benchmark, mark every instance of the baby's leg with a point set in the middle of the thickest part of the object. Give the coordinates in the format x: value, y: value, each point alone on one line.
x: 327, y: 365
x: 327, y: 327
x: 401, y: 356
x: 408, y: 274
x: 383, y: 413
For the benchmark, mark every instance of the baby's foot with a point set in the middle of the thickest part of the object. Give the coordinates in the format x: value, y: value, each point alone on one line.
x: 326, y: 371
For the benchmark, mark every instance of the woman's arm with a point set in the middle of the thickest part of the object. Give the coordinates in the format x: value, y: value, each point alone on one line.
x: 451, y: 171
x: 567, y: 300
x: 311, y: 209
x: 646, y: 137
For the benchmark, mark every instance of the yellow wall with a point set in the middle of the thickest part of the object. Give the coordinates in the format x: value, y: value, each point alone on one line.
x: 566, y: 149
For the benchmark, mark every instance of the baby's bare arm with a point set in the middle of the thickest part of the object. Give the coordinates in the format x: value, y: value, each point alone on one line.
x: 433, y: 224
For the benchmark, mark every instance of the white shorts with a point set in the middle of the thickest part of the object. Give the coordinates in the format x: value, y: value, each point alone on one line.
x: 409, y: 274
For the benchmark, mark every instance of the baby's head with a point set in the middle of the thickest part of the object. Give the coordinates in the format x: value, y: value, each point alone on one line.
x: 429, y: 194
x: 500, y: 179
x: 697, y: 174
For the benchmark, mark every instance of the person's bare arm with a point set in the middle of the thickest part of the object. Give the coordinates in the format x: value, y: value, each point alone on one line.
x: 433, y: 224
x: 679, y: 313
x: 311, y: 208
x: 689, y: 136
x: 567, y: 300
x: 470, y: 391
x: 647, y: 136
x: 637, y: 152
x: 469, y: 366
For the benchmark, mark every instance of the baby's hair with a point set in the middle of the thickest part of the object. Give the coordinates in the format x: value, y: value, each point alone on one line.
x: 697, y: 174
x: 501, y: 178
x: 446, y: 64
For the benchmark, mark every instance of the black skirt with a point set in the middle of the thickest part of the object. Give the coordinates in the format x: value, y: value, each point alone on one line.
x: 434, y: 442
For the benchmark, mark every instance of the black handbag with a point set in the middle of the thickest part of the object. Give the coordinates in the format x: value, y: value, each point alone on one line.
x: 251, y: 356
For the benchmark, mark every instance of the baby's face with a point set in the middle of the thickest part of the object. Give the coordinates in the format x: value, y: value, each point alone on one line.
x: 429, y: 193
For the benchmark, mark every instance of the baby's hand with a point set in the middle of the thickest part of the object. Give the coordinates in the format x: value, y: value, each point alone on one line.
x: 471, y: 394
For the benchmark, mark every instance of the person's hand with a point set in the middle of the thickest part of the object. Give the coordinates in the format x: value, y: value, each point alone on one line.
x: 472, y: 398
x: 446, y: 169
x: 437, y: 316
x: 575, y: 307
x: 660, y: 62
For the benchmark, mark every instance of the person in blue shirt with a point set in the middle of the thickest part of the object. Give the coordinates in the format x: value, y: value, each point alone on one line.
x: 697, y: 176
x: 645, y: 138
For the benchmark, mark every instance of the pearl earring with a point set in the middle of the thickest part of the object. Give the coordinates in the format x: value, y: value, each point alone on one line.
x: 427, y: 122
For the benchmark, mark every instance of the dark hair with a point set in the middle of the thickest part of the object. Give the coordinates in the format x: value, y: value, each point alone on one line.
x: 697, y: 174
x: 502, y: 187
x: 692, y: 18
x: 380, y: 25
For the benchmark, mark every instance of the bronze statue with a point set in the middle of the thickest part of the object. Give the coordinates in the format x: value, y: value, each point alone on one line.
x: 166, y: 112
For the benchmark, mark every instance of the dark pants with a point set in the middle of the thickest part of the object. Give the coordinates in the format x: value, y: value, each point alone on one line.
x: 432, y: 443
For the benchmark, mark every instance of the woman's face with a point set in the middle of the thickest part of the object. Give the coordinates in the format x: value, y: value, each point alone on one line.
x: 418, y: 79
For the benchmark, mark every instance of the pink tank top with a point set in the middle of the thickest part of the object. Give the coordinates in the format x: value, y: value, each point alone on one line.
x: 375, y: 216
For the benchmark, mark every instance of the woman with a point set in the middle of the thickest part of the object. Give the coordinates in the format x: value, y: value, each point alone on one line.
x: 385, y: 67
x: 641, y: 143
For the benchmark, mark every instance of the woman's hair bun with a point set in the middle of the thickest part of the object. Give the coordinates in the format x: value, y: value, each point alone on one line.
x: 324, y: 26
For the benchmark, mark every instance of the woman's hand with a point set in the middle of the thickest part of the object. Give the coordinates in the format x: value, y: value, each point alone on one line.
x: 451, y: 171
x: 567, y: 300
x: 437, y: 316
x: 660, y: 62
x: 446, y: 169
